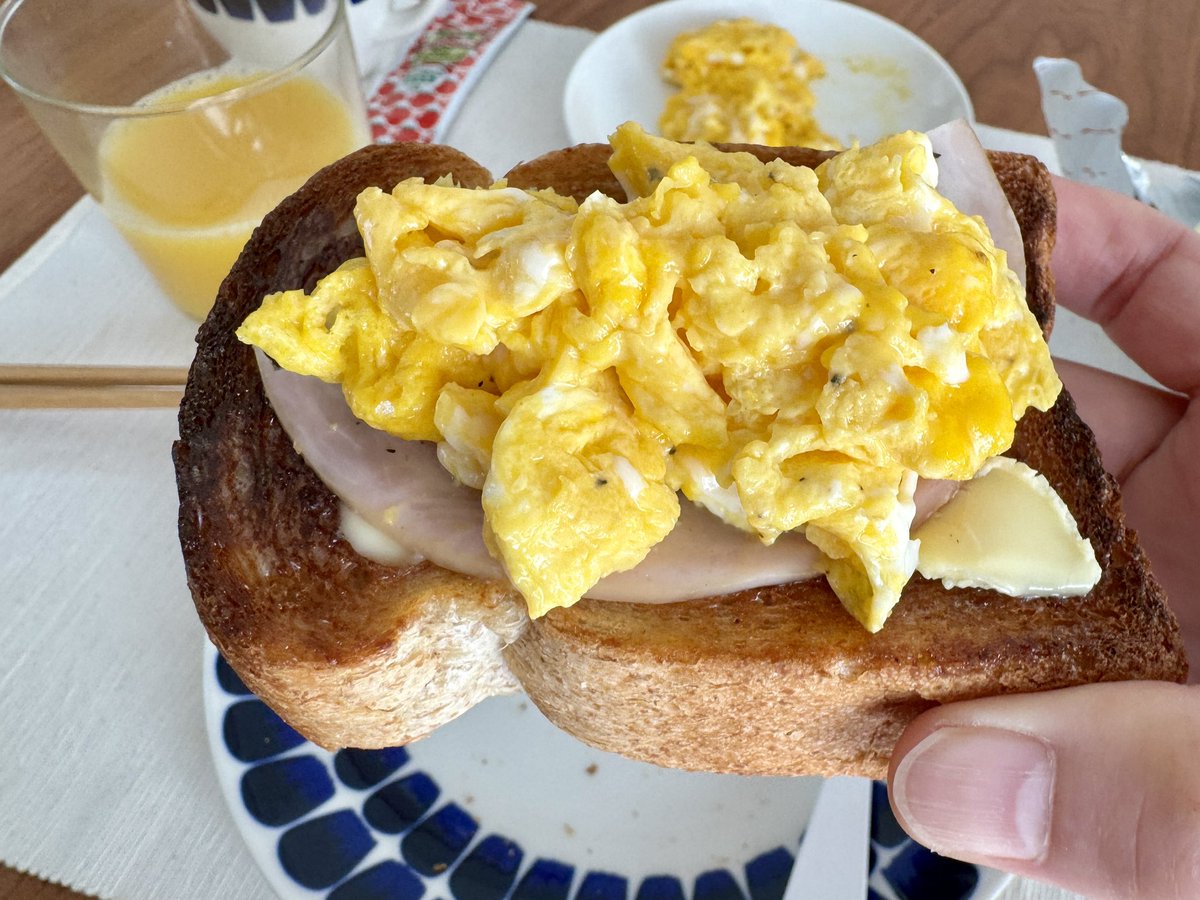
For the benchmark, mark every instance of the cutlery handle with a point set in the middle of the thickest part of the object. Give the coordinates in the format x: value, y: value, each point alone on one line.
x: 833, y: 858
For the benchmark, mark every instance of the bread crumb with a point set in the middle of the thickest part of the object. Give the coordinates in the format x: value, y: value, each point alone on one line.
x: 592, y: 769
x: 568, y: 830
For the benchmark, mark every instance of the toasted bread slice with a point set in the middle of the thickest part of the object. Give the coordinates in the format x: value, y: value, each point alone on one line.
x: 776, y: 680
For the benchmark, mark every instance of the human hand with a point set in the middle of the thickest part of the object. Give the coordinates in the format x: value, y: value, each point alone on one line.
x: 1096, y: 788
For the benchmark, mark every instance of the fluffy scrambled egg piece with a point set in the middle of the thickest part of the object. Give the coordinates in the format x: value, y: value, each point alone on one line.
x: 790, y: 348
x: 743, y: 81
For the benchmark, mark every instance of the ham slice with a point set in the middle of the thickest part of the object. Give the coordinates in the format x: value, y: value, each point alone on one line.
x: 401, y: 489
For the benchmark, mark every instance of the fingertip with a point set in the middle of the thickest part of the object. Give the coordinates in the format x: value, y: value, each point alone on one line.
x: 1090, y: 788
x: 979, y: 793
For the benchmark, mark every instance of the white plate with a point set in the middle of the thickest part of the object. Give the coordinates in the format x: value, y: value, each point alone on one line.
x: 880, y: 78
x: 500, y: 804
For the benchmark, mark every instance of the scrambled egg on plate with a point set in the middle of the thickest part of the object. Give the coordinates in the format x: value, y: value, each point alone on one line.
x: 790, y: 348
x: 743, y: 81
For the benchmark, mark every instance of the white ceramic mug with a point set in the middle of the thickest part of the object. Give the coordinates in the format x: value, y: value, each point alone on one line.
x: 266, y: 31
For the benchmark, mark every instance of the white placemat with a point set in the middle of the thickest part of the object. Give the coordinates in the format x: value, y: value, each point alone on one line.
x: 105, y: 779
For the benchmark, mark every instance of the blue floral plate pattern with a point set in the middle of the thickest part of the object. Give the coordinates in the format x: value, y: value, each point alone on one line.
x: 500, y: 804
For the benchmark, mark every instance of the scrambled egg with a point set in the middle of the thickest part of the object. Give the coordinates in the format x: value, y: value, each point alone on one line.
x: 742, y: 81
x: 790, y: 348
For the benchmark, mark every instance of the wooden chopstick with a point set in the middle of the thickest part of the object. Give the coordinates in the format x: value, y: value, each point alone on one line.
x: 90, y: 387
x: 91, y: 375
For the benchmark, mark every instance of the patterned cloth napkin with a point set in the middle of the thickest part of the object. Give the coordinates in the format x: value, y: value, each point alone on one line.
x: 418, y: 99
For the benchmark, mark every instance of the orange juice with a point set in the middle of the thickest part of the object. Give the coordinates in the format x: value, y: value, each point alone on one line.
x: 186, y: 187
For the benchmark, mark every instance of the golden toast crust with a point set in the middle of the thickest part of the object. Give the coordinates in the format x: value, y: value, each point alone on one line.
x: 778, y: 680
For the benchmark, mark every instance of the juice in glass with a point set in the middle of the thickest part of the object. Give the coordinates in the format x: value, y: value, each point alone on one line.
x: 188, y: 186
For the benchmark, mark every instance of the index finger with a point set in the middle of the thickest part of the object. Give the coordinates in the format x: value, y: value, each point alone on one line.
x: 1137, y: 274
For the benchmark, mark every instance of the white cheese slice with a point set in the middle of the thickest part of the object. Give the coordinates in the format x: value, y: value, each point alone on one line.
x: 1009, y: 531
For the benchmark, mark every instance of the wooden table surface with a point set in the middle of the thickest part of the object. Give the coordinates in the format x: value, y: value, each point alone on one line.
x: 1141, y: 51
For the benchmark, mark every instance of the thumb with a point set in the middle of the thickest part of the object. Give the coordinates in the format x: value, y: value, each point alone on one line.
x: 1094, y: 788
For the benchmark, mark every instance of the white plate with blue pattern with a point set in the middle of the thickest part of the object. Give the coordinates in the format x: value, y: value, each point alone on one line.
x: 500, y: 804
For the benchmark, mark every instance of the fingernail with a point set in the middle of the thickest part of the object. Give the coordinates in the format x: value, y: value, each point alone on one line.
x: 978, y: 792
